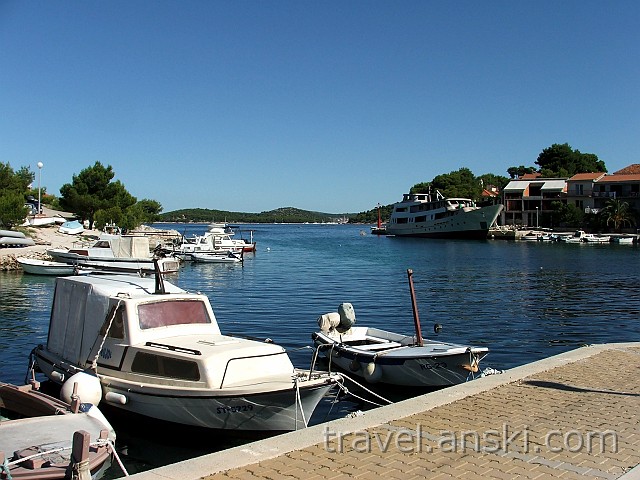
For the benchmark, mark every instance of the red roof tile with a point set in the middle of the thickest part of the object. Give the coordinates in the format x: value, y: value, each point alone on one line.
x: 620, y: 178
x: 529, y: 176
x: 632, y: 169
x: 587, y: 176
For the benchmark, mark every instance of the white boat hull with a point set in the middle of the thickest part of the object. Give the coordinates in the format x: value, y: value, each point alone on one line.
x: 400, y: 362
x: 264, y: 408
x: 167, y: 264
x: 44, y: 267
x: 216, y: 257
x: 473, y: 224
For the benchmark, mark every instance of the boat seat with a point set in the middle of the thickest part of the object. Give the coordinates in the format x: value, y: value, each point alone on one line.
x: 379, y: 346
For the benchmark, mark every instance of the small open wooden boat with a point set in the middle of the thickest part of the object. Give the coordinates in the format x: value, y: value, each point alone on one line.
x: 45, y: 438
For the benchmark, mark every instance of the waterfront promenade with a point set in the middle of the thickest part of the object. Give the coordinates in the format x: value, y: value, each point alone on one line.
x: 572, y: 416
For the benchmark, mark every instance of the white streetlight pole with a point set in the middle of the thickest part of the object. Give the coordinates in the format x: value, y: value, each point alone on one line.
x: 537, y: 223
x: 40, y: 165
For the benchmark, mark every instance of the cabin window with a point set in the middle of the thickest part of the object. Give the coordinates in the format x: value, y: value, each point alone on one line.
x: 421, y: 218
x: 402, y: 220
x: 150, y: 364
x: 117, y: 325
x: 172, y: 312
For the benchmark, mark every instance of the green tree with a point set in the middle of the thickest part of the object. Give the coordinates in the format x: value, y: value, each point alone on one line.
x: 151, y: 210
x: 461, y: 183
x: 489, y: 179
x: 13, y: 186
x: 617, y: 213
x: 517, y: 172
x: 566, y: 215
x: 12, y: 209
x: 562, y: 161
x: 92, y: 190
x: 14, y: 181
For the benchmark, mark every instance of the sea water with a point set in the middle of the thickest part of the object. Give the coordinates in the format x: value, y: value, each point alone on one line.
x: 523, y: 300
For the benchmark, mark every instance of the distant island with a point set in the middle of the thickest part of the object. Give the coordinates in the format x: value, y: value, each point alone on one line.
x: 280, y: 215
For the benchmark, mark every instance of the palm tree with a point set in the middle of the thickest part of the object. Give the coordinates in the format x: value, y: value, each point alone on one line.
x: 618, y: 213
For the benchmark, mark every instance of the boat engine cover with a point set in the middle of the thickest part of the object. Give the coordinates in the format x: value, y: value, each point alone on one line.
x: 347, y: 317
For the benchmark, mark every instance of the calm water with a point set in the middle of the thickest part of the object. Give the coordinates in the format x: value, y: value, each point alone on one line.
x: 524, y: 300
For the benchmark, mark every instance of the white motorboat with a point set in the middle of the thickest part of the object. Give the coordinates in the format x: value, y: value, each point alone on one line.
x: 222, y: 257
x: 45, y: 267
x: 591, y: 238
x: 40, y: 433
x: 580, y: 236
x: 157, y: 351
x: 390, y: 358
x: 623, y: 239
x: 72, y: 227
x: 434, y: 216
x: 120, y: 253
x: 217, y: 240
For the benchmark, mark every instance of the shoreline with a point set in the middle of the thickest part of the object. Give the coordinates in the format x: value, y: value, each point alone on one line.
x: 49, y: 237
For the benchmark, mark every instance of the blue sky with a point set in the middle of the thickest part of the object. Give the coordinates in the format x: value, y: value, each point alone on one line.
x: 330, y: 106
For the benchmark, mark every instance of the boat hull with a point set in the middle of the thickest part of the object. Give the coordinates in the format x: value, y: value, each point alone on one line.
x: 44, y: 267
x: 473, y: 224
x: 44, y: 432
x: 167, y: 265
x: 279, y: 409
x: 408, y: 365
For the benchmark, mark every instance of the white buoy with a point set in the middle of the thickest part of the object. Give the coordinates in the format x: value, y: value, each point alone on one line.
x: 113, y: 397
x: 372, y: 372
x: 89, y: 389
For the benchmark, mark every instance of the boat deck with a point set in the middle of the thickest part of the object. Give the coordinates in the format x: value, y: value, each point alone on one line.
x: 571, y: 416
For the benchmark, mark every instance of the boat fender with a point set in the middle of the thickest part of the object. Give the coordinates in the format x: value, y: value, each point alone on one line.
x: 372, y: 372
x: 113, y: 397
x: 354, y: 366
x: 473, y: 367
x: 89, y: 389
x: 57, y: 376
x: 347, y: 317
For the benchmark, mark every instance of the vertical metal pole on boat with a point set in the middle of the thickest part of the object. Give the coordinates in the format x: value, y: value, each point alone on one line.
x: 40, y: 165
x: 414, y: 305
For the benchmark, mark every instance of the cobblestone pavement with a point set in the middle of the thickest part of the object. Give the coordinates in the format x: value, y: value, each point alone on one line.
x: 577, y: 420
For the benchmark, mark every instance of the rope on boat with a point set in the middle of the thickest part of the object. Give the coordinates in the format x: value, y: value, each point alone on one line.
x: 4, y: 469
x: 99, y: 443
x: 115, y: 454
x: 346, y: 390
x: 94, y: 363
x: 299, y: 402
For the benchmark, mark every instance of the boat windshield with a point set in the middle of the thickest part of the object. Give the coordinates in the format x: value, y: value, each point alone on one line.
x: 172, y: 312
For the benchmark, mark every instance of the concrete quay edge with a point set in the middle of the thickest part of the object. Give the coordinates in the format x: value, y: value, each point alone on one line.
x: 254, y: 452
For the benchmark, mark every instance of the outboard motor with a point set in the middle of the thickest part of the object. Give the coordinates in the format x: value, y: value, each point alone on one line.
x: 347, y: 317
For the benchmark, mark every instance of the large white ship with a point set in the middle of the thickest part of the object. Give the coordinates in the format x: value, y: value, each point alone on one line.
x: 432, y: 215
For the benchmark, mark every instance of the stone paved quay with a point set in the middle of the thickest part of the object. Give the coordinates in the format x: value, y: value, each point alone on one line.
x: 574, y: 415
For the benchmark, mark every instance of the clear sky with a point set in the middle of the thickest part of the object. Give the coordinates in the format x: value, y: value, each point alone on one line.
x: 331, y: 106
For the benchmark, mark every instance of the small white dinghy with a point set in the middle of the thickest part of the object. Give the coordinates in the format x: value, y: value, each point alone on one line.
x: 46, y: 267
x: 72, y: 227
x: 222, y: 257
x: 390, y: 358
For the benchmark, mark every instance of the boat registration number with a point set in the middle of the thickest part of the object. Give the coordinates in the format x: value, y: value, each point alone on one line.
x: 433, y: 366
x: 234, y: 409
